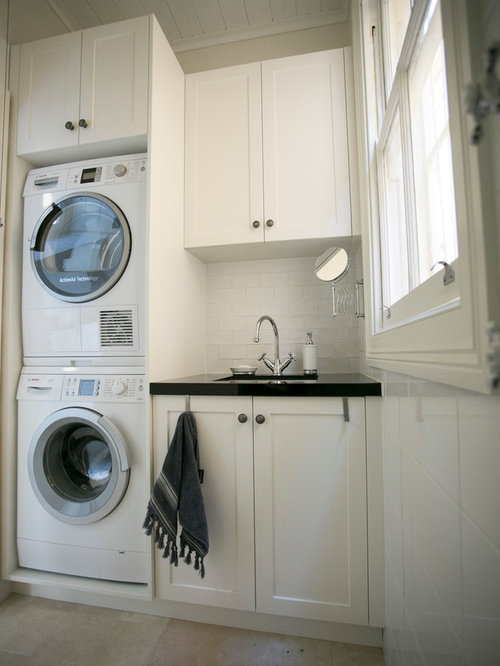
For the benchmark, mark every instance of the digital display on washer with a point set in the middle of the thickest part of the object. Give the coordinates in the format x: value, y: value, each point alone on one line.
x: 92, y: 175
x: 86, y: 387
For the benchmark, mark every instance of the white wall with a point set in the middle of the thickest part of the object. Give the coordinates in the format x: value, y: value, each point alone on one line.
x: 238, y: 293
x: 442, y: 499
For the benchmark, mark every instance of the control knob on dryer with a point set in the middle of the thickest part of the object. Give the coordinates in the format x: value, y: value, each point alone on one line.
x: 120, y: 170
x: 118, y: 387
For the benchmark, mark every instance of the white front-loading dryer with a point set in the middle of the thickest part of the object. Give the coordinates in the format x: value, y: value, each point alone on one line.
x: 84, y: 261
x: 82, y: 472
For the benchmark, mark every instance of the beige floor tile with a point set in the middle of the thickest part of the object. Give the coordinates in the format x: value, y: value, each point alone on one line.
x: 184, y: 643
x: 345, y: 654
x: 43, y: 632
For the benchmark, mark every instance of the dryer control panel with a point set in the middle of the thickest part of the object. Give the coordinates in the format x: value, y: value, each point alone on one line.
x: 81, y: 175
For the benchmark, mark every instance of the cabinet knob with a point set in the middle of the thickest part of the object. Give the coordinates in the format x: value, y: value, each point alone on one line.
x: 69, y: 125
x: 260, y: 419
x: 82, y: 122
x: 242, y: 418
x: 256, y: 224
x: 269, y: 223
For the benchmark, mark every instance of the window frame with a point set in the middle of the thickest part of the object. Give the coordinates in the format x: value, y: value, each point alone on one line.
x: 448, y: 343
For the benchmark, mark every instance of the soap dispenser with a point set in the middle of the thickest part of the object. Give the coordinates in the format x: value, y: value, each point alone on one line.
x: 309, y: 362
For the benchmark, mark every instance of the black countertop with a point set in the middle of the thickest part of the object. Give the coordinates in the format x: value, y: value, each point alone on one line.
x: 348, y: 384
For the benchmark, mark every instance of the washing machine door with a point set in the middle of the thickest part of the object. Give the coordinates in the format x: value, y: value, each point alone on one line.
x: 78, y: 465
x: 80, y: 247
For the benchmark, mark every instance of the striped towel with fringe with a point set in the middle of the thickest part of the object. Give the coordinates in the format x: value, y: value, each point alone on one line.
x: 177, y: 497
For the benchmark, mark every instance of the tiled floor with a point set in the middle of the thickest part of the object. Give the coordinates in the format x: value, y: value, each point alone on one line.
x: 41, y: 632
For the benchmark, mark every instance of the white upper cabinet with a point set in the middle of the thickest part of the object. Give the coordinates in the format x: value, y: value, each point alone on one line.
x: 306, y: 160
x: 267, y: 152
x: 224, y: 188
x: 84, y: 88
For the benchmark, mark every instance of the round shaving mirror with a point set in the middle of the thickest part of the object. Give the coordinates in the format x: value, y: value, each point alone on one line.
x: 332, y: 265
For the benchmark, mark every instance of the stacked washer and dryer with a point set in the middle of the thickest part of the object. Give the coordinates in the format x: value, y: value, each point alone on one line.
x: 82, y: 450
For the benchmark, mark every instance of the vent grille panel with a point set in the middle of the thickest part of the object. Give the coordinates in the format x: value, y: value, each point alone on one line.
x: 116, y: 328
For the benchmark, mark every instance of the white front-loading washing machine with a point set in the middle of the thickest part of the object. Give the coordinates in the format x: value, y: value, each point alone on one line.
x: 84, y: 261
x: 83, y: 484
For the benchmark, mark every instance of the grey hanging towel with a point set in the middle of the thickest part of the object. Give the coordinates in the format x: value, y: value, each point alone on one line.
x: 177, y: 491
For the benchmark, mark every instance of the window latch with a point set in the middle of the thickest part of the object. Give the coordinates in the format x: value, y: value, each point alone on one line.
x: 449, y: 273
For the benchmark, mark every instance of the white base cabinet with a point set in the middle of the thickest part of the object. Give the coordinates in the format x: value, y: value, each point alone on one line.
x: 84, y: 88
x: 267, y: 155
x: 226, y: 456
x: 303, y: 467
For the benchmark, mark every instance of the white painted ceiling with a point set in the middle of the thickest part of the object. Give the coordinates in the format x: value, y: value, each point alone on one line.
x: 188, y: 24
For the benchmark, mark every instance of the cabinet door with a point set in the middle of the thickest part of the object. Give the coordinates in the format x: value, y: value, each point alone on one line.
x: 49, y: 93
x: 227, y: 459
x: 224, y: 157
x: 306, y: 161
x: 114, y: 80
x: 310, y: 509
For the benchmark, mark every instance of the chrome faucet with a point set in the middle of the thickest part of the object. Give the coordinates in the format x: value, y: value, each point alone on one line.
x: 277, y: 365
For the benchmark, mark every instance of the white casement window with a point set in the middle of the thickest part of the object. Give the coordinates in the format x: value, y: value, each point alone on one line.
x: 418, y: 224
x: 423, y: 261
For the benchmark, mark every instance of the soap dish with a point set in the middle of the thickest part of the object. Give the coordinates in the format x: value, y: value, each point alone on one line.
x: 243, y: 370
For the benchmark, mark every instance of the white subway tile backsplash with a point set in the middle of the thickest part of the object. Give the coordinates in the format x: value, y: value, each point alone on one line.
x: 287, y: 290
x: 258, y: 294
x: 274, y: 279
x: 246, y: 280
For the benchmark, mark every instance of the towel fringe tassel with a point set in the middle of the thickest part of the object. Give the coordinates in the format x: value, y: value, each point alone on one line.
x: 164, y: 541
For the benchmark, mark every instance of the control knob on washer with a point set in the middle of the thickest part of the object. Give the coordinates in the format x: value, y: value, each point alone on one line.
x: 118, y: 387
x: 120, y: 170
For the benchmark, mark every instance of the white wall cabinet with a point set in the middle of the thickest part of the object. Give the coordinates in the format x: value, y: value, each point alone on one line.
x: 86, y: 87
x: 267, y: 154
x: 304, y: 467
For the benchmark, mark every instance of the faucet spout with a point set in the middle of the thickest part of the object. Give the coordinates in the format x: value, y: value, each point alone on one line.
x: 275, y: 366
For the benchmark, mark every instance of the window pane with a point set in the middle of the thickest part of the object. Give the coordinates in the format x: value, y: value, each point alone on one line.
x: 436, y: 229
x: 396, y: 17
x: 394, y: 237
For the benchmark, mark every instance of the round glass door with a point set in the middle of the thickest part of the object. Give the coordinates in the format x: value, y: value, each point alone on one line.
x: 80, y: 247
x: 78, y: 466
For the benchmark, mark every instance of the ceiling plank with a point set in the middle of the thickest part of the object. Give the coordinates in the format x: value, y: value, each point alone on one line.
x: 130, y: 8
x: 80, y: 11
x: 234, y: 14
x: 307, y: 7
x: 185, y: 17
x: 283, y: 10
x: 164, y: 16
x: 107, y: 12
x: 209, y: 15
x: 258, y: 11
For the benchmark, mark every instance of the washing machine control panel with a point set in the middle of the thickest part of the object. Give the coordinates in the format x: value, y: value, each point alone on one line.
x: 103, y: 388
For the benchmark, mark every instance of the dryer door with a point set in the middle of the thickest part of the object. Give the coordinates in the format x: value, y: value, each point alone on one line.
x: 80, y: 247
x: 78, y: 465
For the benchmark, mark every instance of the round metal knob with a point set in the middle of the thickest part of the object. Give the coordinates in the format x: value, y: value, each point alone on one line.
x: 256, y: 224
x: 82, y: 122
x: 242, y: 418
x: 269, y: 223
x: 69, y: 125
x: 260, y: 419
